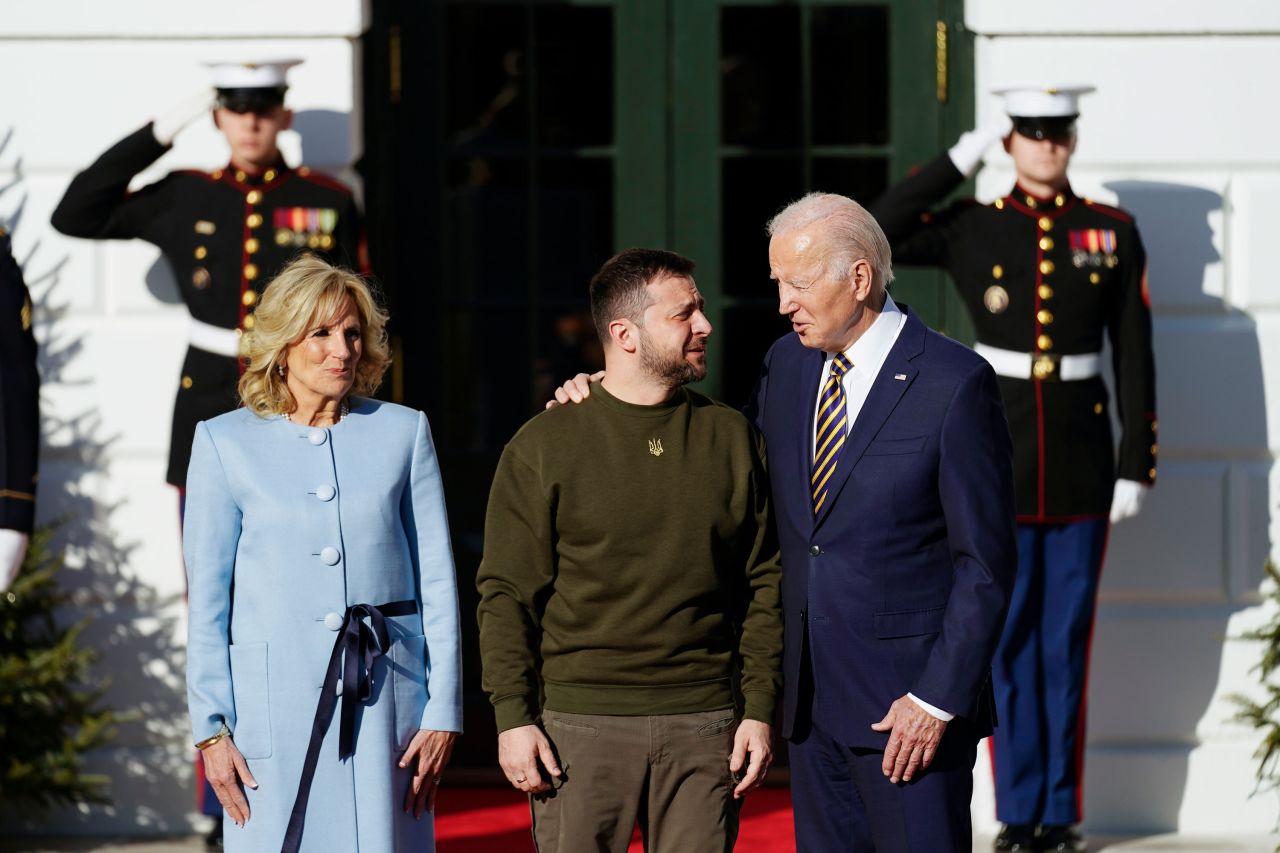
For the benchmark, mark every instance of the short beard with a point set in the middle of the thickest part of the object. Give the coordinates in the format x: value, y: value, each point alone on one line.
x: 670, y: 371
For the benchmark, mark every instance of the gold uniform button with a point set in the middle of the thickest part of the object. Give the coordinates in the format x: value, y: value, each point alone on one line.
x: 186, y: 382
x: 217, y: 174
x: 1045, y: 317
x: 1046, y: 267
x: 251, y: 271
x: 247, y: 322
x: 1151, y: 474
x: 1097, y: 408
x: 201, y: 253
x: 240, y: 176
x: 251, y: 245
x: 1059, y: 200
x: 270, y: 175
x: 999, y: 204
x: 1154, y: 425
x: 997, y: 271
x: 1044, y: 342
x: 1154, y: 450
x: 1094, y: 278
x: 250, y: 297
x: 253, y: 197
x: 1046, y: 243
x: 1045, y: 223
x: 253, y: 220
x: 1031, y: 202
x: 283, y: 236
x: 304, y: 171
x: 1045, y: 291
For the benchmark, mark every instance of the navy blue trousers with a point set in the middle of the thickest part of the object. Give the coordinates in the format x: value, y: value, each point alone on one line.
x: 205, y: 797
x: 1040, y: 673
x: 844, y: 802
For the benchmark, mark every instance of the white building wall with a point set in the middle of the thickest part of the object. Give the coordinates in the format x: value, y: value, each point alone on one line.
x: 1180, y: 133
x: 78, y: 75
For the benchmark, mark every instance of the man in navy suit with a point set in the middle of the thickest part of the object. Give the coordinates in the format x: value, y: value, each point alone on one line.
x: 891, y: 467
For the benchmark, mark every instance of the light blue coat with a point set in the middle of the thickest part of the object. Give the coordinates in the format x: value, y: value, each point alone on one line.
x: 286, y: 526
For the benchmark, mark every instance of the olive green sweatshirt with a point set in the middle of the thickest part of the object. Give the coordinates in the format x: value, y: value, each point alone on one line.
x: 630, y: 564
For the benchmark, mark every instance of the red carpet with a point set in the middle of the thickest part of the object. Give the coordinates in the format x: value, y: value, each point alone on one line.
x: 492, y: 820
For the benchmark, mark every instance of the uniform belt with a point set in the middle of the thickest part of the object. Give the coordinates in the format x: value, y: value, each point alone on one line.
x: 214, y: 339
x: 1043, y: 366
x: 358, y: 645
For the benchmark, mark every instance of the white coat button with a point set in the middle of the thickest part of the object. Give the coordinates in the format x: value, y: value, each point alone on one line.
x: 329, y: 555
x: 316, y: 437
x: 333, y: 621
x: 325, y: 492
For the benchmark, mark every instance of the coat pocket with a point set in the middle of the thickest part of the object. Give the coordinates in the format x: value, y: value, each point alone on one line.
x: 894, y: 446
x: 908, y: 623
x: 252, y: 734
x: 408, y: 687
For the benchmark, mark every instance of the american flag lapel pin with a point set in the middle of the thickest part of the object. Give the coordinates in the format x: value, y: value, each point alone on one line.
x: 901, y: 377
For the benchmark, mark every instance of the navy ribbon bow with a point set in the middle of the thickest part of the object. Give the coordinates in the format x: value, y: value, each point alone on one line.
x: 358, y: 645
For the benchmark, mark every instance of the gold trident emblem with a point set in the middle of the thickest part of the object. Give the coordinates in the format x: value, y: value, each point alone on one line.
x: 655, y: 446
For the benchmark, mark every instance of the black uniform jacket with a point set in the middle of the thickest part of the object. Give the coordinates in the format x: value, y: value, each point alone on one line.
x: 19, y: 397
x: 226, y: 234
x: 1047, y: 277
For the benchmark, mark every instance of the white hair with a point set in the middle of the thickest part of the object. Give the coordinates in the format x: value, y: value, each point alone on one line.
x: 849, y: 231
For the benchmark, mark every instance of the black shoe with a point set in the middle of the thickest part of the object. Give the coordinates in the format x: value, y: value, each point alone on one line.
x: 1064, y: 838
x: 1016, y: 838
x: 213, y: 840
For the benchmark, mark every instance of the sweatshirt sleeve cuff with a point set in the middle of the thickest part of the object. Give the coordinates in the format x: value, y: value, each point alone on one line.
x: 514, y: 711
x: 758, y: 705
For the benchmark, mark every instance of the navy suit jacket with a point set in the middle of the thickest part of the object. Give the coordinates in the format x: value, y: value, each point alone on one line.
x: 901, y: 583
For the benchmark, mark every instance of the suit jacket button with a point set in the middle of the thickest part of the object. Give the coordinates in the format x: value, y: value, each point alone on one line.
x: 814, y: 550
x: 325, y: 492
x: 316, y: 437
x: 333, y: 621
x: 329, y: 555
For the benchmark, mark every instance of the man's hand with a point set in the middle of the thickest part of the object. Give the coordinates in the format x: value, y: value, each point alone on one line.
x: 429, y: 752
x: 913, y: 739
x: 753, y: 738
x: 1126, y: 500
x: 225, y: 768
x: 576, y: 389
x: 13, y: 550
x: 519, y: 751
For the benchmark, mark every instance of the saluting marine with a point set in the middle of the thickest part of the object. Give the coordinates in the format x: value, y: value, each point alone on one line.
x: 225, y: 233
x: 19, y: 416
x: 1045, y: 275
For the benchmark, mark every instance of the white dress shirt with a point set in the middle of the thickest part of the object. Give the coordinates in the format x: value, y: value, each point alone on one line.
x: 867, y: 355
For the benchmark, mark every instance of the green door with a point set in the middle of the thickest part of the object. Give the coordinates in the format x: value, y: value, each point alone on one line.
x: 511, y: 147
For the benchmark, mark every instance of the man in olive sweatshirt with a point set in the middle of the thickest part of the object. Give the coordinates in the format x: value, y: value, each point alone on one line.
x: 630, y: 630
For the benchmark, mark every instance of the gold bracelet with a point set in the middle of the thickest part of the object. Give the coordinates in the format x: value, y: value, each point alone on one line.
x: 217, y: 736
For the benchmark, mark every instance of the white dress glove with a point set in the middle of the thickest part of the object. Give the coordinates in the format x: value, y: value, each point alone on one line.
x: 167, y: 125
x: 1127, y: 500
x: 967, y: 153
x: 13, y: 548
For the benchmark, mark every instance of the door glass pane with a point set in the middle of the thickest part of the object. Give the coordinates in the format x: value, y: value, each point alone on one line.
x: 574, y: 64
x: 575, y: 224
x: 753, y: 190
x: 487, y: 387
x: 861, y: 179
x: 487, y: 200
x: 485, y: 64
x: 850, y: 75
x: 760, y: 76
x: 746, y: 335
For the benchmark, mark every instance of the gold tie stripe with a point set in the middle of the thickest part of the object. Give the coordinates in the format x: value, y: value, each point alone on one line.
x: 833, y: 428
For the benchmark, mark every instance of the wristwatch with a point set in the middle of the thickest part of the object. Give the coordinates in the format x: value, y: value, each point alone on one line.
x: 222, y: 732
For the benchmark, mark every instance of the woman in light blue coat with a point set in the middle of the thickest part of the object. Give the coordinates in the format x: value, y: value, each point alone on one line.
x: 323, y: 656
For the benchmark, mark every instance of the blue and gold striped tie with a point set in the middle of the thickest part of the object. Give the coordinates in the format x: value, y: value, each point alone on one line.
x: 833, y: 416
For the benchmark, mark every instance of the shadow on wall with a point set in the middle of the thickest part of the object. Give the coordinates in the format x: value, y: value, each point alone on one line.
x: 131, y: 627
x: 1175, y: 575
x: 326, y: 145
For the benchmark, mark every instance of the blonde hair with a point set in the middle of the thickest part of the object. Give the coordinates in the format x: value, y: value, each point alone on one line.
x: 307, y: 293
x: 851, y: 233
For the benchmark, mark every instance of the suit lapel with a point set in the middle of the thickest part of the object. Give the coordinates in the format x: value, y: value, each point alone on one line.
x: 799, y: 453
x: 886, y: 391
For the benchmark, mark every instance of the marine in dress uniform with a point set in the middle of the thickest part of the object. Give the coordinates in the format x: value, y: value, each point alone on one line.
x: 225, y: 233
x: 1045, y: 276
x: 19, y: 416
